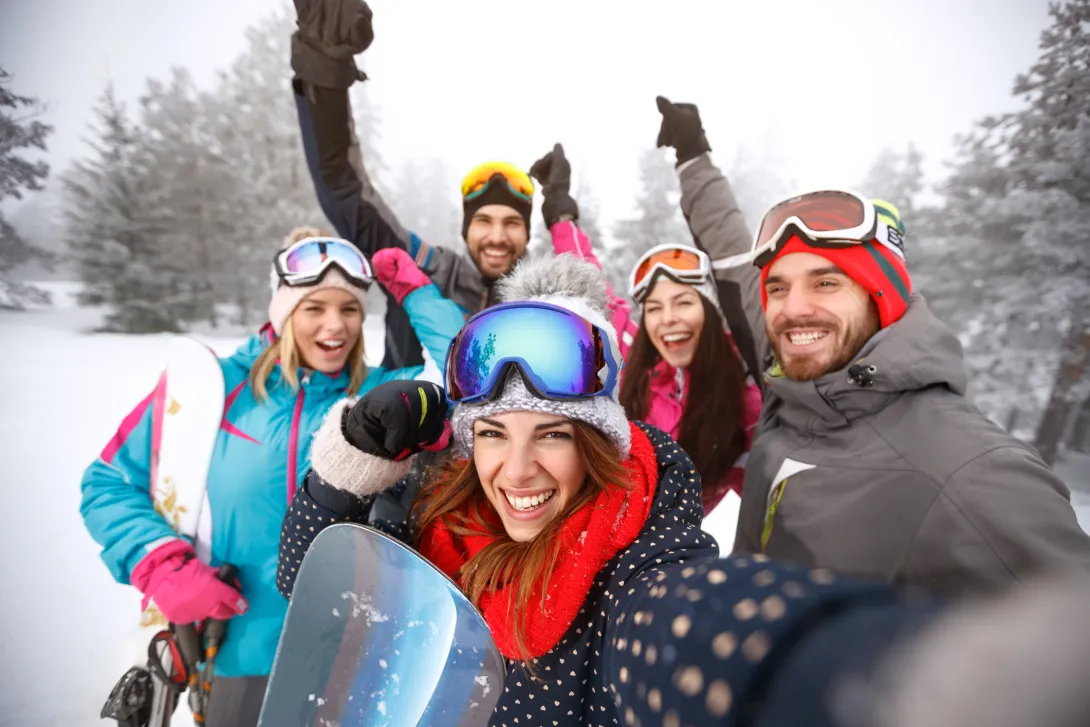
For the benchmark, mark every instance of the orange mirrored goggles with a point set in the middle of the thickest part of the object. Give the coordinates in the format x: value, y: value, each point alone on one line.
x: 483, y: 175
x: 681, y: 263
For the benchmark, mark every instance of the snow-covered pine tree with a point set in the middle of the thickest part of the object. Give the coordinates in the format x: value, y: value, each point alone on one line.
x: 20, y: 130
x: 759, y: 178
x: 185, y: 185
x: 897, y: 177
x: 590, y: 214
x: 658, y: 221
x: 589, y: 220
x: 256, y: 132
x: 425, y: 201
x: 1014, y: 217
x: 110, y: 232
x: 1049, y: 141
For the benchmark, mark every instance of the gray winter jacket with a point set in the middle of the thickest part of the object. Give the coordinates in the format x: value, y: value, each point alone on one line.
x: 893, y: 475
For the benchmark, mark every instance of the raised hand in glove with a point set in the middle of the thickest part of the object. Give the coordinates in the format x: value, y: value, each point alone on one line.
x: 397, y: 419
x: 681, y: 129
x: 396, y: 271
x: 330, y: 33
x: 554, y: 173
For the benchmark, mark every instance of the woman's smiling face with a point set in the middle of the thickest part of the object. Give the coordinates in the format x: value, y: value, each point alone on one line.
x: 530, y: 468
x: 673, y: 315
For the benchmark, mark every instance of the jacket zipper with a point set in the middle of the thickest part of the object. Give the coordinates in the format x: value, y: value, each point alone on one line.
x: 293, y: 441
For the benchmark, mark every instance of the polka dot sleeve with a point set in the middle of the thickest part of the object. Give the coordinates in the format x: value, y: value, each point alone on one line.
x: 700, y: 642
x: 315, y: 506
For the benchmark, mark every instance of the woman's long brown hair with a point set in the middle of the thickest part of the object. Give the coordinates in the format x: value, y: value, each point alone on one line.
x: 455, y: 497
x: 712, y: 430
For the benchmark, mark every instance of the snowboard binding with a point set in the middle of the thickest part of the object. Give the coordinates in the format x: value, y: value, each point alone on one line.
x: 130, y: 701
x: 144, y: 694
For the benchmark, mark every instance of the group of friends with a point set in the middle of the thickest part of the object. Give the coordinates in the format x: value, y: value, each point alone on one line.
x: 561, y: 471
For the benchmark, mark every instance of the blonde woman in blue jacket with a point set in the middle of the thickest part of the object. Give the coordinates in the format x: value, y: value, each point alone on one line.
x: 279, y: 386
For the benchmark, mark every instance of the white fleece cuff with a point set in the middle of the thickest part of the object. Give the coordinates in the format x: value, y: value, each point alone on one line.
x: 346, y: 468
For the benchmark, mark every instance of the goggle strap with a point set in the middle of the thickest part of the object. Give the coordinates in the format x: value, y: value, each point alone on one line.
x: 485, y: 187
x: 890, y: 238
x: 311, y: 278
x: 736, y: 261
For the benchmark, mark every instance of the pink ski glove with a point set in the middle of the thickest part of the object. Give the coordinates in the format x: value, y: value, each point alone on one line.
x: 184, y: 589
x: 397, y: 272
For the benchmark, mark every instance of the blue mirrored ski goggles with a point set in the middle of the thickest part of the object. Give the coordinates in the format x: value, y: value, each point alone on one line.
x: 560, y: 355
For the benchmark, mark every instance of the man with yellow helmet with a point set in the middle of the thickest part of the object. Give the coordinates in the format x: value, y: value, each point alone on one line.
x: 497, y: 196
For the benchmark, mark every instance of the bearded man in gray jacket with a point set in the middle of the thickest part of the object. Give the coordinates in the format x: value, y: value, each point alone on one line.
x: 868, y: 458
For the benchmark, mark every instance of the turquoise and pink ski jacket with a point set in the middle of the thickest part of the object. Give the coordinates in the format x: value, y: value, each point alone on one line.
x: 262, y: 454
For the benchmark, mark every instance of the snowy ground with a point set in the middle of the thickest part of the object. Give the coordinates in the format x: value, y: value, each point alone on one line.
x: 63, y: 392
x: 65, y: 622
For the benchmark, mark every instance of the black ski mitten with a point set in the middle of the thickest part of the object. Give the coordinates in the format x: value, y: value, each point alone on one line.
x: 681, y: 128
x: 397, y: 419
x: 330, y: 33
x: 554, y: 173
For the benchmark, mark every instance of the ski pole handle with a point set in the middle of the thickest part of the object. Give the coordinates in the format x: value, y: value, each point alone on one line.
x: 215, y: 629
x: 189, y: 643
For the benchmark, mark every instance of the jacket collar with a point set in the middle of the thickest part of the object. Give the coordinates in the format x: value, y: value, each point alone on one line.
x: 915, y: 353
x: 248, y: 353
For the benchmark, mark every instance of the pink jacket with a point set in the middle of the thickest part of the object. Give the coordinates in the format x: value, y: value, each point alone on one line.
x: 669, y: 386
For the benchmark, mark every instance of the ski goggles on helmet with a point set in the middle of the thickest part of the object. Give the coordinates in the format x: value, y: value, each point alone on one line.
x: 482, y: 176
x: 680, y: 263
x: 306, y: 262
x: 829, y: 218
x: 560, y: 355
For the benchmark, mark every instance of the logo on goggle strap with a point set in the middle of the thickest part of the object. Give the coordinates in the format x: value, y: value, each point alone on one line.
x: 896, y: 239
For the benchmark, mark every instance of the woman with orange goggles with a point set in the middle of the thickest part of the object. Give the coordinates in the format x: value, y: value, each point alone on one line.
x: 679, y: 345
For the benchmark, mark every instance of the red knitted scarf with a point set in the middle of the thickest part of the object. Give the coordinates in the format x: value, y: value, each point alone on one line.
x: 586, y: 542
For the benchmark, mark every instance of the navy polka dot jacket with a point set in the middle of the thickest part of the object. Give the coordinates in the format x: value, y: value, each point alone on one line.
x: 669, y: 634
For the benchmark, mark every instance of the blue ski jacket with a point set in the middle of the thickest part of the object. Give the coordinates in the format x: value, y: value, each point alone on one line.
x: 261, y: 455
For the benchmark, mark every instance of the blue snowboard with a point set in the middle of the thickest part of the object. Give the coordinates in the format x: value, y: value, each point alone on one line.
x: 377, y: 636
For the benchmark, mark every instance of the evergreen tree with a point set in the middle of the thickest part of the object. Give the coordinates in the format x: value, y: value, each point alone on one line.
x: 185, y: 184
x: 897, y: 177
x: 658, y: 221
x: 541, y: 242
x: 425, y: 201
x: 111, y: 235
x: 256, y: 135
x: 758, y: 181
x: 589, y: 213
x: 20, y: 130
x: 1018, y: 245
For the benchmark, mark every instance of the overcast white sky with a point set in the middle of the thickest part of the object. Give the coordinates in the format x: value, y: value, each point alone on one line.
x: 830, y: 82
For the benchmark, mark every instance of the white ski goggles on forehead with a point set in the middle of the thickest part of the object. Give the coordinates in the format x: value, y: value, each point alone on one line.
x: 827, y: 218
x: 307, y: 261
x: 680, y: 263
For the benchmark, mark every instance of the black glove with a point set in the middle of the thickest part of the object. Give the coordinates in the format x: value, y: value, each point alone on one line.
x: 554, y: 173
x: 681, y: 129
x: 397, y: 419
x: 330, y: 33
